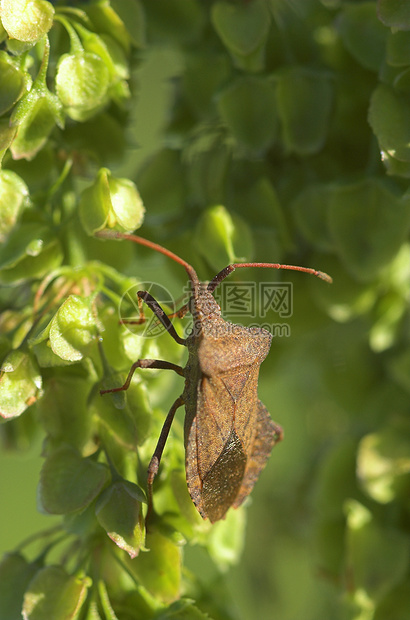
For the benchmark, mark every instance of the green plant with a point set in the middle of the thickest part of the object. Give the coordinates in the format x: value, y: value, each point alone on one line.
x: 269, y: 151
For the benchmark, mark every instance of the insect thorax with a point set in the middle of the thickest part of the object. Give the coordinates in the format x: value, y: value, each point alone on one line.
x: 203, y: 307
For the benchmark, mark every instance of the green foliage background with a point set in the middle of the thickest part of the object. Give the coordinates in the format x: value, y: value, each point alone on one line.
x: 258, y: 130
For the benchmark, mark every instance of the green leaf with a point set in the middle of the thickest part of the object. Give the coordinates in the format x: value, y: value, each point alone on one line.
x: 248, y: 107
x: 386, y: 327
x: 346, y: 298
x: 183, y: 609
x: 3, y: 33
x: 389, y: 117
x: 363, y: 34
x: 45, y: 356
x: 13, y: 82
x: 18, y: 48
x: 27, y: 20
x: 398, y: 272
x: 14, y: 196
x: 336, y: 480
x: 260, y: 206
x: 20, y: 384
x: 368, y: 224
x: 222, y: 238
x: 208, y: 156
x: 166, y: 164
x: 7, y: 134
x: 119, y: 425
x: 81, y: 523
x: 119, y: 512
x: 310, y: 208
x: 53, y: 593
x: 72, y: 329
x: 383, y: 464
x: 394, y: 13
x: 243, y: 28
x: 41, y: 112
x: 225, y: 541
x: 106, y: 18
x: 204, y: 74
x: 187, y: 520
x: 399, y: 369
x: 159, y: 570
x: 396, y: 604
x: 108, y: 50
x: 329, y: 545
x: 104, y: 136
x: 95, y: 204
x: 178, y: 23
x: 350, y: 384
x: 15, y: 575
x: 394, y: 167
x: 304, y: 102
x: 138, y: 398
x: 398, y: 48
x: 62, y: 421
x: 132, y: 14
x: 139, y: 603
x: 402, y: 83
x: 377, y: 557
x: 69, y: 482
x: 29, y: 252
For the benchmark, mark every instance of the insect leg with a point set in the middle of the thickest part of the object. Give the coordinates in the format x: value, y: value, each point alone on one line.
x: 141, y: 319
x: 156, y: 457
x: 162, y: 317
x: 179, y: 313
x: 145, y: 364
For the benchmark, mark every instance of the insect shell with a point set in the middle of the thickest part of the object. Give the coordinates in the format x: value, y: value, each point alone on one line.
x: 229, y: 434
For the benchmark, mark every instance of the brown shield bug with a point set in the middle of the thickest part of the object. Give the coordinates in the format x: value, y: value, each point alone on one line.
x: 228, y: 432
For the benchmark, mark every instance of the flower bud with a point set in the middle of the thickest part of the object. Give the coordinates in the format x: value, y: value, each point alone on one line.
x: 27, y: 20
x: 82, y: 82
x: 222, y: 237
x: 111, y: 202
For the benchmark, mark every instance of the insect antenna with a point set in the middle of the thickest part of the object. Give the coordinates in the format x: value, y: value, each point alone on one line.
x: 230, y: 268
x: 115, y: 234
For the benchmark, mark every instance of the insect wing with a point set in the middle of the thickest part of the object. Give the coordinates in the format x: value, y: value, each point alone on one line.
x: 222, y: 415
x: 268, y: 434
x: 221, y: 435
